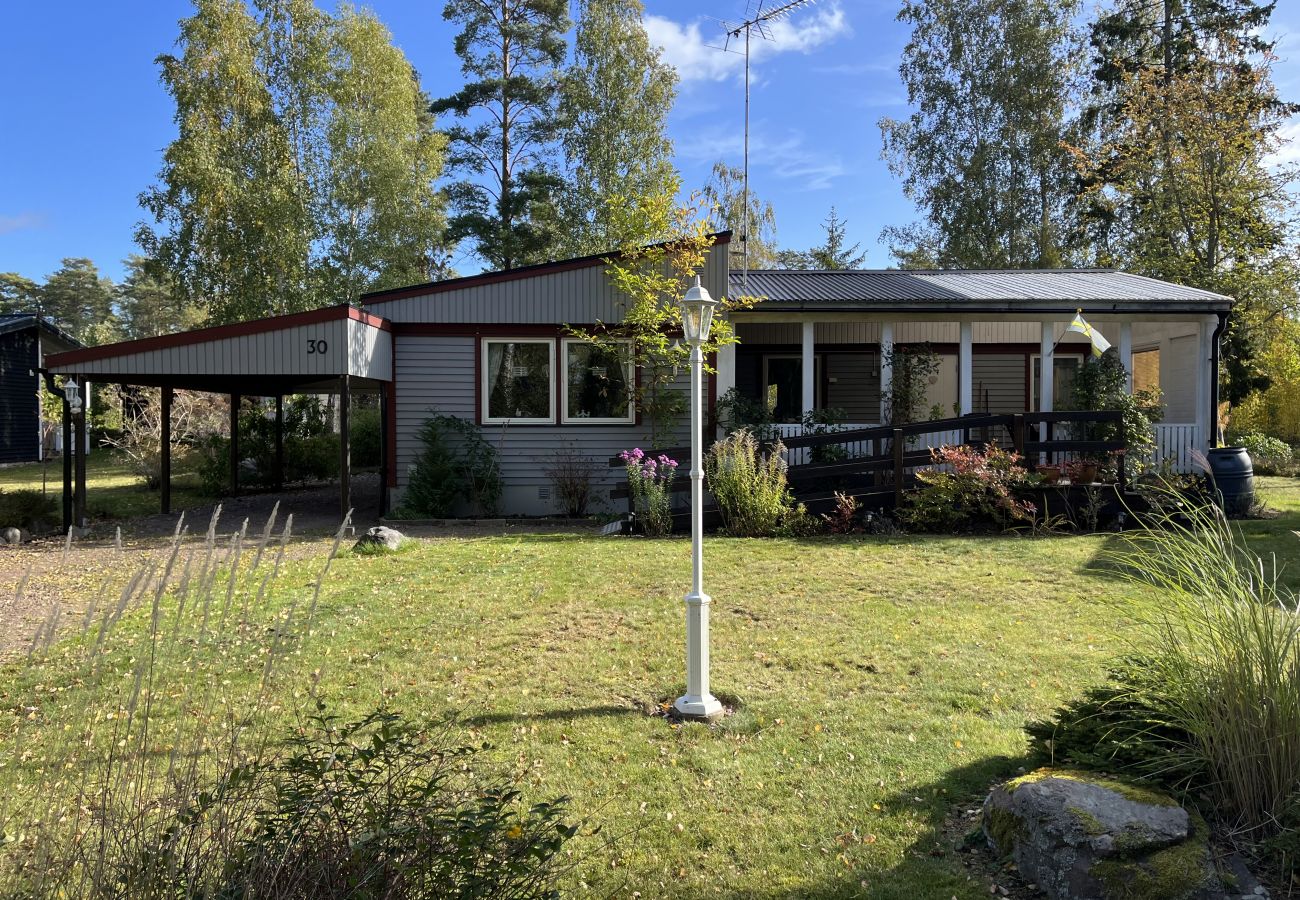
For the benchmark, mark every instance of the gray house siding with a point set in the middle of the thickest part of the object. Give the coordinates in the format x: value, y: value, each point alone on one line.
x: 853, y: 385
x: 575, y: 296
x: 998, y: 383
x: 436, y: 375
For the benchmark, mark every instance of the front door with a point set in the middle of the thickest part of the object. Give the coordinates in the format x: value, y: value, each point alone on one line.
x: 783, y: 377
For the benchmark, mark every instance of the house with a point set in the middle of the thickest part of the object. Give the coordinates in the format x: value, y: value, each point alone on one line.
x: 25, y: 341
x: 494, y: 349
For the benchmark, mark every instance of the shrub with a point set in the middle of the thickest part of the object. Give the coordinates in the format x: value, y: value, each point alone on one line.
x: 825, y: 421
x: 374, y: 808
x: 736, y: 411
x: 846, y: 517
x: 455, y: 466
x: 1102, y: 384
x: 979, y: 488
x: 749, y: 486
x: 363, y: 434
x: 649, y: 481
x: 1268, y: 455
x: 1221, y: 652
x: 29, y: 510
x: 571, y: 475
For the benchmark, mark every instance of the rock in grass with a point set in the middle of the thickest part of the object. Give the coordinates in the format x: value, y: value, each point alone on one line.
x: 380, y: 538
x: 1083, y: 836
x: 10, y: 536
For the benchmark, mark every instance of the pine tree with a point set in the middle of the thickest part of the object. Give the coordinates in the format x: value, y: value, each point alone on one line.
x: 18, y: 294
x: 615, y: 101
x: 80, y: 301
x: 505, y: 140
x: 832, y: 255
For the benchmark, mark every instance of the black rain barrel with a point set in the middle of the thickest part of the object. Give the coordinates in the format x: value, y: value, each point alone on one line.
x: 1235, y: 479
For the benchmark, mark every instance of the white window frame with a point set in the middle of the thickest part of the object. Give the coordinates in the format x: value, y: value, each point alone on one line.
x: 629, y: 419
x: 485, y: 395
x: 1035, y: 375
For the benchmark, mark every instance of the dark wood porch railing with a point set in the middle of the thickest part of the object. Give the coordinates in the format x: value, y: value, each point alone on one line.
x: 881, y: 478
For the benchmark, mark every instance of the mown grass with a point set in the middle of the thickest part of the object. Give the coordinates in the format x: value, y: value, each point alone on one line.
x: 881, y: 683
x: 112, y: 490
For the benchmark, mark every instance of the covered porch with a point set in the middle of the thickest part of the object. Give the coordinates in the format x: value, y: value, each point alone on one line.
x: 822, y: 340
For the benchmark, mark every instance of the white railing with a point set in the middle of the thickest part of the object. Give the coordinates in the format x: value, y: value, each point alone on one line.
x: 797, y: 456
x: 1176, y: 444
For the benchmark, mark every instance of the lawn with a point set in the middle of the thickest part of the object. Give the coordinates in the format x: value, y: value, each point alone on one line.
x: 112, y: 490
x: 881, y: 684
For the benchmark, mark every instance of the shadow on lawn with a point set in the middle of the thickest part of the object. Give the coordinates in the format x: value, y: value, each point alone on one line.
x: 551, y: 715
x: 932, y: 868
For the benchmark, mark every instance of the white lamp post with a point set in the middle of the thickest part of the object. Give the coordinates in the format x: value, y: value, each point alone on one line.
x: 697, y: 702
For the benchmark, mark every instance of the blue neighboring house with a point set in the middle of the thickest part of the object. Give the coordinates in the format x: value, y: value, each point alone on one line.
x: 25, y: 340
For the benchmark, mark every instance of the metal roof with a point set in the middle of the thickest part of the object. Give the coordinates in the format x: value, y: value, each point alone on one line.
x: 1034, y: 289
x: 18, y: 321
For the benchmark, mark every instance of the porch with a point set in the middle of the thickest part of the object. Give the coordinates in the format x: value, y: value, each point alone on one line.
x: 993, y: 365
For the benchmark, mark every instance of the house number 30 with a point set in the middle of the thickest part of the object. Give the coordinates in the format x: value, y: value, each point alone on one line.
x: 316, y: 345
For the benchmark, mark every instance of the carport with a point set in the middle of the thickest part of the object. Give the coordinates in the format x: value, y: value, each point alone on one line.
x: 337, y: 350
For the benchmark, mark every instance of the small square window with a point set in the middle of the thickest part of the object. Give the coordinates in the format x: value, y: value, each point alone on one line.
x: 598, y: 384
x: 517, y: 384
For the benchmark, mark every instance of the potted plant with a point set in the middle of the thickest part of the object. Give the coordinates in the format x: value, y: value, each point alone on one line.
x: 1049, y: 472
x: 1082, y: 471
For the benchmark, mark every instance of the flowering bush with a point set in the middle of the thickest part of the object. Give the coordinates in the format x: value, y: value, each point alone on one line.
x: 750, y: 487
x: 977, y: 486
x: 650, y: 479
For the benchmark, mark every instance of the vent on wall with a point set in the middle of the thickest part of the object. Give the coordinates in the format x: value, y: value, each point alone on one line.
x: 543, y: 493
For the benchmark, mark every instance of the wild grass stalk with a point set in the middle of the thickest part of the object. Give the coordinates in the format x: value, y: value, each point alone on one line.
x: 1220, y: 645
x: 122, y: 725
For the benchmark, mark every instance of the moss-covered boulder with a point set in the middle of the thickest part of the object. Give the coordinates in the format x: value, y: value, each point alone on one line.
x: 1083, y: 836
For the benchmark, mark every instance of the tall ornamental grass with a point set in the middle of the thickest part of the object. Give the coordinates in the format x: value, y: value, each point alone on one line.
x: 1220, y: 644
x: 160, y: 748
x: 748, y: 485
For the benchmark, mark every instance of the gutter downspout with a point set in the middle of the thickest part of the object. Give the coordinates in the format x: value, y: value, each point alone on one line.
x: 1214, y: 376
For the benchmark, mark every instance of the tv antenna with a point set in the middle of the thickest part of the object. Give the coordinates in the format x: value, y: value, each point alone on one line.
x: 757, y: 20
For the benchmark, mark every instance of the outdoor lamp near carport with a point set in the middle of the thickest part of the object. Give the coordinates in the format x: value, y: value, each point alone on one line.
x: 697, y: 702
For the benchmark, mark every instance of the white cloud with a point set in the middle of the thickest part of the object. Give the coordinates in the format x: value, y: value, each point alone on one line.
x: 21, y: 222
x: 787, y: 157
x: 695, y: 49
x: 1289, y: 152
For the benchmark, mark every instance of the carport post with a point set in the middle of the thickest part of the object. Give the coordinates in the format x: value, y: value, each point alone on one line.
x: 165, y: 476
x: 67, y: 465
x: 279, y: 441
x: 345, y: 450
x: 79, y: 496
x: 234, y: 444
x: 384, y: 413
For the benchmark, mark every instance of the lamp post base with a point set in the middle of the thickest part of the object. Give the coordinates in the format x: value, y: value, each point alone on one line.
x: 702, y: 709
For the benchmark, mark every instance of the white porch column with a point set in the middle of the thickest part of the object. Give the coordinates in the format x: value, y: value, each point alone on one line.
x: 1126, y: 351
x: 1206, y: 420
x: 809, y: 368
x: 964, y: 370
x: 1046, y: 367
x: 726, y: 363
x: 886, y: 368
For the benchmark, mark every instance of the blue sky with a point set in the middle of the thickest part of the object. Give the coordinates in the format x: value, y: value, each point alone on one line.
x: 86, y: 119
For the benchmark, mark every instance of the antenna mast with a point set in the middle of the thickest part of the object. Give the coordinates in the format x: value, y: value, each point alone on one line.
x: 758, y: 21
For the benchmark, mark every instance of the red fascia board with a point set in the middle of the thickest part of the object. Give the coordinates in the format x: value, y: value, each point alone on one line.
x: 218, y: 333
x: 565, y: 265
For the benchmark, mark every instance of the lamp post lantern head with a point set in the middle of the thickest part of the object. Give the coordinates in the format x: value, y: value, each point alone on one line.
x: 72, y: 393
x: 697, y: 313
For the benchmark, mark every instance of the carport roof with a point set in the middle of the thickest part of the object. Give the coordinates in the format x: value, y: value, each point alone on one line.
x: 295, y: 352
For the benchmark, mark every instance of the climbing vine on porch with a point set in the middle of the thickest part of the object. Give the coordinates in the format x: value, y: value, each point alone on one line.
x: 912, y: 368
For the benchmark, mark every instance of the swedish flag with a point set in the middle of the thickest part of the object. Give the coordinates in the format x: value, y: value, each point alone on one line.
x: 1099, y: 344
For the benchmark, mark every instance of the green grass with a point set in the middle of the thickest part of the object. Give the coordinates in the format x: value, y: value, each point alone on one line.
x: 882, y: 683
x: 112, y: 490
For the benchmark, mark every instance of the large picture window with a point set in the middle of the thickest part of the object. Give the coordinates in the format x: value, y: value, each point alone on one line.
x: 517, y: 380
x: 598, y: 384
